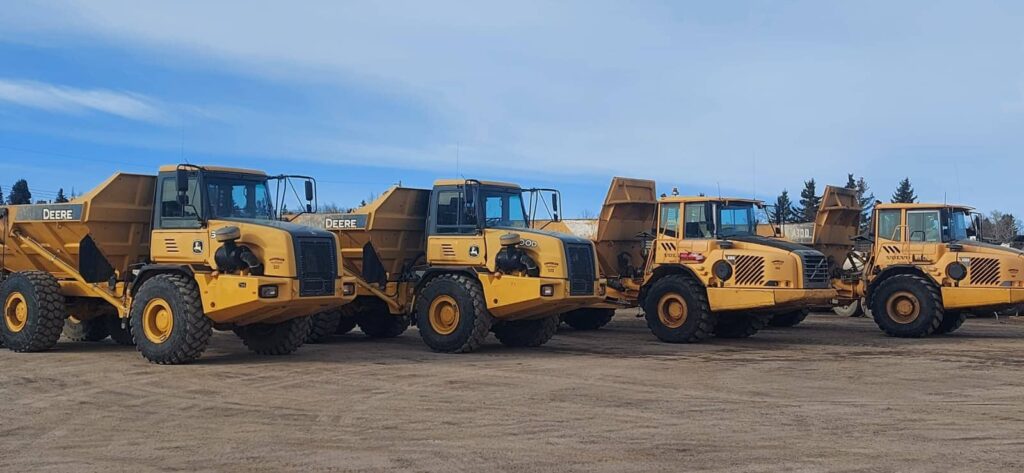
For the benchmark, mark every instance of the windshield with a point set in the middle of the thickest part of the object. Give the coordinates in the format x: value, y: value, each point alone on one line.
x: 503, y: 208
x: 736, y: 219
x: 238, y: 197
x: 956, y: 224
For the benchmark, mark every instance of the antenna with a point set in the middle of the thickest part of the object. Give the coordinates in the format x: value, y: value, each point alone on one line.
x: 719, y: 184
x: 457, y: 157
x: 956, y: 172
x: 755, y: 175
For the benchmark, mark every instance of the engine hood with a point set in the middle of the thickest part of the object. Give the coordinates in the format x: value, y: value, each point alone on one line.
x: 773, y: 243
x: 563, y: 237
x: 972, y: 244
x: 293, y: 229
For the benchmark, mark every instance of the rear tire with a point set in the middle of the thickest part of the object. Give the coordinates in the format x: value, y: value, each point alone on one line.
x: 451, y: 314
x: 677, y: 310
x: 275, y: 339
x: 33, y: 311
x: 92, y: 330
x: 588, y: 318
x: 739, y: 325
x: 345, y: 325
x: 322, y: 325
x: 789, y: 319
x: 853, y: 309
x: 383, y: 325
x: 526, y: 333
x: 907, y: 306
x: 951, y: 322
x: 167, y: 320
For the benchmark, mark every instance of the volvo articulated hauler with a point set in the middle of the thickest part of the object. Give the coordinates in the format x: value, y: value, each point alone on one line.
x: 922, y: 269
x: 462, y: 261
x: 159, y: 261
x: 697, y: 266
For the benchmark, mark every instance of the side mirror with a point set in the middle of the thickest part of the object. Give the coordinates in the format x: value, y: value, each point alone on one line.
x: 554, y: 202
x: 469, y: 194
x: 778, y: 232
x: 309, y: 191
x: 181, y: 184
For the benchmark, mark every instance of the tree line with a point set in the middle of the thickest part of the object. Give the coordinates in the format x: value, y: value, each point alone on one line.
x: 21, y: 195
x: 999, y: 226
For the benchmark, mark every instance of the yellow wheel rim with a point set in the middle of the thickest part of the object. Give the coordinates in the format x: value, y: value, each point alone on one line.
x: 15, y: 312
x: 157, y: 320
x: 903, y: 307
x: 444, y: 315
x: 672, y: 310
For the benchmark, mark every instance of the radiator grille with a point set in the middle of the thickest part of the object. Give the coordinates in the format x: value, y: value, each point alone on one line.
x: 581, y: 268
x: 749, y: 270
x: 317, y: 266
x: 984, y: 272
x: 815, y: 270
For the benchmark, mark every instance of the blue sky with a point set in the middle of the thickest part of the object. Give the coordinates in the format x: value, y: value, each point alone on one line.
x: 751, y: 97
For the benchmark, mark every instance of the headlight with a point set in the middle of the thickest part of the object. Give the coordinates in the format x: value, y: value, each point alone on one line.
x: 547, y: 290
x: 956, y: 271
x: 268, y: 292
x: 348, y: 289
x: 722, y: 270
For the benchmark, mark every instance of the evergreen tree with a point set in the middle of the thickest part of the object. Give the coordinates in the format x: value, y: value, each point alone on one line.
x: 904, y: 193
x: 20, y: 194
x: 783, y: 211
x: 60, y: 196
x: 867, y: 204
x: 2, y: 196
x: 809, y: 201
x: 851, y: 183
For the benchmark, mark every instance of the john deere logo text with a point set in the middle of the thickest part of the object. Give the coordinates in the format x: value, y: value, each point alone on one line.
x: 345, y: 222
x: 58, y: 214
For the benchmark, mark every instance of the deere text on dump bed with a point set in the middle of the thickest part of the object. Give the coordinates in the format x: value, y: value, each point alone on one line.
x: 924, y: 268
x: 463, y: 261
x: 697, y: 266
x: 159, y: 261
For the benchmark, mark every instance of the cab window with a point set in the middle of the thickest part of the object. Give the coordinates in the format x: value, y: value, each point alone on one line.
x: 171, y: 213
x: 669, y: 225
x: 889, y: 225
x: 697, y: 221
x: 924, y: 226
x: 452, y: 216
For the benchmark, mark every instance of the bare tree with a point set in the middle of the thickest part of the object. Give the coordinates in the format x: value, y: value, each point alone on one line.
x: 586, y: 214
x: 1001, y: 227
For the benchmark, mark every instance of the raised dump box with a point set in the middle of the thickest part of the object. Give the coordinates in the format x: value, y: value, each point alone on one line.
x: 98, y: 234
x: 383, y: 239
x: 627, y: 214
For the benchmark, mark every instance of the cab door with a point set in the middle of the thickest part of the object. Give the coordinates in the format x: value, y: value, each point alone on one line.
x: 890, y: 238
x: 179, y: 235
x: 924, y: 233
x: 454, y: 235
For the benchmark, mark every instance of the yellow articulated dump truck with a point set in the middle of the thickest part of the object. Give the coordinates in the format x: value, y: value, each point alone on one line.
x: 697, y: 266
x: 159, y: 261
x: 461, y: 261
x: 922, y: 268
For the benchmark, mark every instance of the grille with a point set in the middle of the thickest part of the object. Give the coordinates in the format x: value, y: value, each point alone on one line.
x: 815, y: 270
x: 581, y: 268
x: 749, y: 270
x: 984, y: 272
x: 318, y: 266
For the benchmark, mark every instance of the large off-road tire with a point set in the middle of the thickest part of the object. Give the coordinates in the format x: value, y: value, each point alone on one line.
x: 951, y: 322
x: 853, y: 309
x: 588, y: 318
x: 33, y: 311
x: 345, y: 325
x: 789, y: 319
x: 167, y: 320
x: 451, y: 314
x: 91, y: 330
x: 739, y: 325
x: 907, y: 306
x: 526, y: 333
x: 383, y: 324
x: 677, y: 310
x: 323, y: 325
x: 275, y: 339
x: 120, y: 335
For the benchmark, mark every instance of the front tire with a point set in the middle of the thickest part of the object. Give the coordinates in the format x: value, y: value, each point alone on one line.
x: 526, y: 333
x: 789, y: 319
x: 451, y: 314
x: 167, y: 320
x: 33, y: 311
x: 677, y: 310
x: 739, y: 325
x: 907, y: 306
x: 275, y: 339
x: 588, y: 318
x: 322, y: 325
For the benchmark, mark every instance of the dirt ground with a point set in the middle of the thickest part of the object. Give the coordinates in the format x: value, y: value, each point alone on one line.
x: 833, y: 394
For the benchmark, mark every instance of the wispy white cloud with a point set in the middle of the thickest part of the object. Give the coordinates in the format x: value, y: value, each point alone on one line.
x: 64, y: 99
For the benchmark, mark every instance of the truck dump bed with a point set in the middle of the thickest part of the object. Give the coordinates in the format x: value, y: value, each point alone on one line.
x: 98, y: 233
x: 629, y: 210
x: 384, y: 238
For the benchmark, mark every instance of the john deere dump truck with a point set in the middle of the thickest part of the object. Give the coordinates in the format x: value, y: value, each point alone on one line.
x: 461, y: 261
x: 697, y: 266
x: 159, y: 261
x: 922, y: 268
